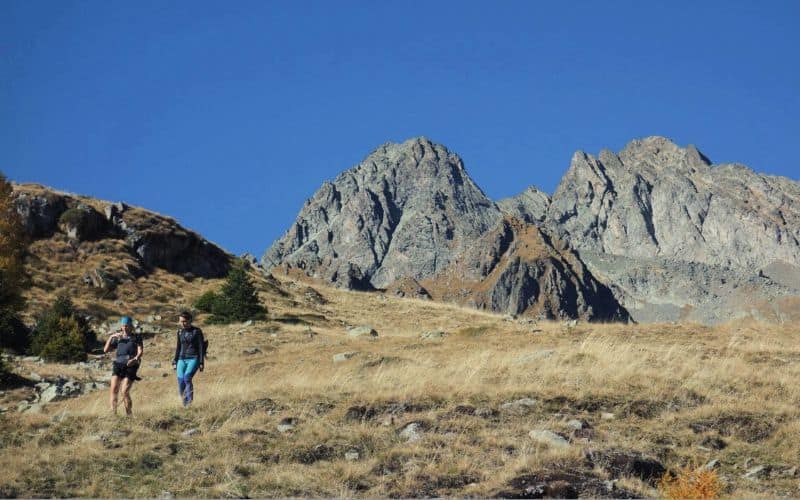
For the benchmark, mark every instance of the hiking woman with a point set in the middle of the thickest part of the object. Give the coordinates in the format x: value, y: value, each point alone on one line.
x: 126, y: 363
x: 189, y: 356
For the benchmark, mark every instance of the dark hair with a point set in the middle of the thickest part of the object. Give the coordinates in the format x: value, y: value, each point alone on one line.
x: 186, y: 314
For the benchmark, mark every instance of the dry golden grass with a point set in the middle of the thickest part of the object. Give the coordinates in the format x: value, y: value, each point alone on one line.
x: 676, y: 392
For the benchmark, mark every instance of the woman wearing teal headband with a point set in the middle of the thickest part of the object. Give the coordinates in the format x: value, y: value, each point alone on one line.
x: 126, y: 363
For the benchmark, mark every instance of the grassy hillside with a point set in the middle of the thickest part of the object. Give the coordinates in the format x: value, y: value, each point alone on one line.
x: 275, y: 415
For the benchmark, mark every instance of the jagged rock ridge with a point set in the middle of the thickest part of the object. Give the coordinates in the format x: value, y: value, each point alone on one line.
x: 657, y: 200
x: 676, y: 237
x: 411, y: 211
x: 671, y: 235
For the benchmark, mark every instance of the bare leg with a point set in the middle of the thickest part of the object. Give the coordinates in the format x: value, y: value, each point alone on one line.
x: 113, y: 394
x: 126, y: 395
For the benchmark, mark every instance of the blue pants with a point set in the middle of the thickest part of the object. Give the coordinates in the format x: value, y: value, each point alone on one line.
x: 186, y: 368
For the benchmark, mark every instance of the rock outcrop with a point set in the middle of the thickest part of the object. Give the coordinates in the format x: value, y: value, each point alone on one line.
x: 154, y: 240
x: 530, y: 206
x: 675, y: 236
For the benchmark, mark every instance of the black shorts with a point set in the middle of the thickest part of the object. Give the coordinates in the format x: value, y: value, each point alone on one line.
x: 121, y: 370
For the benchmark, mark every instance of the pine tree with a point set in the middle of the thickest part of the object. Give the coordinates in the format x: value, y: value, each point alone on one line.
x: 237, y: 300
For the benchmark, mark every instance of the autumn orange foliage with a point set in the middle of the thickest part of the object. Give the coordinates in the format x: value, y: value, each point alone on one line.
x: 691, y: 482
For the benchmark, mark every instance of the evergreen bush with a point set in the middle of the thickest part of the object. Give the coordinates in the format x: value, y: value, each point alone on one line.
x: 236, y: 301
x: 61, y: 334
x: 5, y: 372
x: 207, y: 302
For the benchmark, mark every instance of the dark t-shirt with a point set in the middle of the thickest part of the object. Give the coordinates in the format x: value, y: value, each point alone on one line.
x: 126, y: 347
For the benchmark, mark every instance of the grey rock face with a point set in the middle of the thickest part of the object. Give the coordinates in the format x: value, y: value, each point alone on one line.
x: 674, y: 236
x: 179, y: 251
x: 530, y: 206
x: 656, y: 199
x: 39, y: 212
x: 405, y: 211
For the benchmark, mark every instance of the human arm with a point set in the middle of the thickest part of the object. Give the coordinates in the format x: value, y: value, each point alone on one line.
x: 111, y: 342
x: 139, y: 350
x: 177, y: 349
x: 201, y: 350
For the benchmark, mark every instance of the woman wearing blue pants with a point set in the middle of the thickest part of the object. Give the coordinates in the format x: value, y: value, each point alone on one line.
x: 189, y: 356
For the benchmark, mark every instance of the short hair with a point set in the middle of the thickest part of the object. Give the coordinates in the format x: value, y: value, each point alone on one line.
x: 186, y: 314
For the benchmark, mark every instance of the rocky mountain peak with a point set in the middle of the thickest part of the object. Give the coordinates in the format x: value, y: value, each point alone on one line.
x: 400, y: 212
x: 659, y: 153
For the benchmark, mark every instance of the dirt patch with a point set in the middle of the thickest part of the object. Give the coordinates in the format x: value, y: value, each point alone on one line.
x: 166, y: 422
x: 640, y: 408
x: 262, y: 405
x: 361, y: 413
x: 749, y: 428
x: 563, y: 484
x: 619, y: 464
x: 309, y: 455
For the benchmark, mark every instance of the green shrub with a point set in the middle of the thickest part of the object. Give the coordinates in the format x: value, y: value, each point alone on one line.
x: 88, y: 223
x: 236, y: 301
x: 207, y: 302
x: 73, y: 217
x: 5, y: 372
x: 61, y: 334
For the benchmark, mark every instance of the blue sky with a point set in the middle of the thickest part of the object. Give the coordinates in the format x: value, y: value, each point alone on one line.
x: 229, y: 115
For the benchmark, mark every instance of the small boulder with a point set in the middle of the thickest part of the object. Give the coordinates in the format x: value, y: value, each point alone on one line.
x: 412, y: 432
x: 287, y: 424
x: 576, y: 424
x: 362, y: 331
x: 549, y: 438
x: 519, y: 407
x: 344, y: 356
x: 756, y: 473
x: 535, y: 356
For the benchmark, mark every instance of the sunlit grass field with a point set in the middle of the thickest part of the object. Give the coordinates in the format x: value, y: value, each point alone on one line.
x: 275, y: 415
